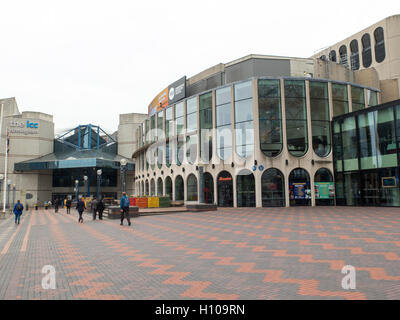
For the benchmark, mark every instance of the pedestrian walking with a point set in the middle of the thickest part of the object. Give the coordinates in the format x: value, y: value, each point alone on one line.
x: 80, y: 206
x: 100, y: 208
x: 124, y: 205
x: 68, y: 204
x: 18, y: 208
x: 94, y: 207
x: 56, y: 205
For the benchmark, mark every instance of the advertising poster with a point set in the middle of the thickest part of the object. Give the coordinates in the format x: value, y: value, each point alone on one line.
x: 324, y: 190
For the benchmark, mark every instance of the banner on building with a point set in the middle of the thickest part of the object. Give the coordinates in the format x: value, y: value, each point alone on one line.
x: 324, y: 190
x: 173, y: 93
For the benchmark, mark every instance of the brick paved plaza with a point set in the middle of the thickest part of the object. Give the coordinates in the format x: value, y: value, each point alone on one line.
x: 269, y: 253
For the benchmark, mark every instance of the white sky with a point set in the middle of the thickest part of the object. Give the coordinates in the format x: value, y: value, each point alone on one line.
x: 88, y: 61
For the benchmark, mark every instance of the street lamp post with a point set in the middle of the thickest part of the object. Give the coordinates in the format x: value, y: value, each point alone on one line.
x: 13, y: 201
x: 1, y: 182
x: 77, y: 189
x: 86, y: 183
x: 123, y: 163
x: 8, y: 193
x: 99, y: 172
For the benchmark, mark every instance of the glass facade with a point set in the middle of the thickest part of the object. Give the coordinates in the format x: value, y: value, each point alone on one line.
x: 169, y: 122
x: 273, y: 188
x: 270, y: 117
x: 192, y: 188
x: 357, y: 98
x: 179, y: 118
x: 369, y: 157
x: 191, y: 114
x: 179, y: 188
x: 245, y: 189
x: 320, y: 119
x: 225, y: 189
x: 223, y: 123
x: 296, y: 117
x: 244, y: 127
x: 340, y: 99
x: 206, y: 124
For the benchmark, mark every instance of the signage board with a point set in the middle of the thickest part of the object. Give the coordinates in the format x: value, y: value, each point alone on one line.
x: 25, y: 127
x: 324, y: 190
x: 173, y: 93
x: 389, y: 182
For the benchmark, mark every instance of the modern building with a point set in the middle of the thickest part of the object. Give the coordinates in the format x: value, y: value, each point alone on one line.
x: 257, y: 131
x: 42, y: 166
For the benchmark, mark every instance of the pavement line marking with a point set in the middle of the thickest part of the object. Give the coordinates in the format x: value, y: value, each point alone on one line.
x: 7, y: 246
x: 25, y: 241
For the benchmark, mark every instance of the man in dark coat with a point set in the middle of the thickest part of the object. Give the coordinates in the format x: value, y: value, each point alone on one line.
x: 80, y: 206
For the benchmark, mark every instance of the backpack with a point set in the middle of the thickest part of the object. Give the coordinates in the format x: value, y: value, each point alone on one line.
x: 126, y: 202
x: 18, y: 207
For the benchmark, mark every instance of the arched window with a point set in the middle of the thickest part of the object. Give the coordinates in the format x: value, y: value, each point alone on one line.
x: 223, y: 122
x: 160, y: 190
x: 244, y: 127
x: 225, y: 189
x: 142, y: 190
x: 296, y: 117
x: 324, y: 188
x: 191, y: 148
x: 168, y: 153
x: 380, y: 51
x: 332, y: 56
x: 366, y: 50
x: 147, y: 188
x: 208, y: 188
x: 152, y: 187
x: 168, y: 122
x: 323, y: 57
x: 343, y: 56
x: 273, y: 188
x: 206, y: 124
x: 299, y: 188
x: 245, y: 187
x: 354, y: 55
x: 180, y: 150
x: 179, y: 188
x: 320, y: 124
x: 168, y: 187
x: 192, y: 188
x: 270, y: 117
x: 160, y: 156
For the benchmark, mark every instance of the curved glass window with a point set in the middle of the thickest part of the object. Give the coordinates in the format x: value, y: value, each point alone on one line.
x: 152, y: 127
x: 160, y: 190
x: 324, y: 188
x: 152, y: 187
x: 270, y: 117
x: 366, y: 50
x: 168, y: 152
x: 296, y: 117
x: 146, y: 129
x: 160, y: 156
x: 180, y: 150
x: 343, y: 56
x: 179, y: 118
x: 160, y: 123
x: 147, y: 188
x: 299, y: 188
x: 208, y: 188
x: 354, y: 55
x: 245, y: 189
x: 332, y: 56
x: 368, y: 147
x: 337, y: 147
x: 192, y: 188
x: 142, y: 191
x: 380, y: 51
x: 168, y: 122
x: 386, y: 138
x: 191, y: 114
x: 206, y: 124
x: 340, y: 99
x: 357, y: 98
x: 320, y: 124
x: 223, y: 123
x: 191, y: 148
x: 168, y: 187
x: 244, y: 128
x: 273, y: 188
x: 179, y: 188
x: 225, y: 189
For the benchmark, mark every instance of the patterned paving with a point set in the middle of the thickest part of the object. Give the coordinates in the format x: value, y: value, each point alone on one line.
x: 229, y: 254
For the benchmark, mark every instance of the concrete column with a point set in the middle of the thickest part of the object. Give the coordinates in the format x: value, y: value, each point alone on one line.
x: 285, y: 153
x: 257, y: 151
x: 215, y: 182
x: 310, y: 144
x: 201, y: 184
x: 350, y: 98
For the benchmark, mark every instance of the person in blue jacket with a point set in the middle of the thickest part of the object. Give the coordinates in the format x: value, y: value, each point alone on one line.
x: 124, y: 205
x: 18, y: 208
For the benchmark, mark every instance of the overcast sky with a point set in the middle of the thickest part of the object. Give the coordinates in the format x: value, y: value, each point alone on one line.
x: 88, y: 61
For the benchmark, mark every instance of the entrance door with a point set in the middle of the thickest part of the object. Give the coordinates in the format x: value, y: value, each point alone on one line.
x: 299, y: 188
x: 225, y: 189
x: 370, y: 188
